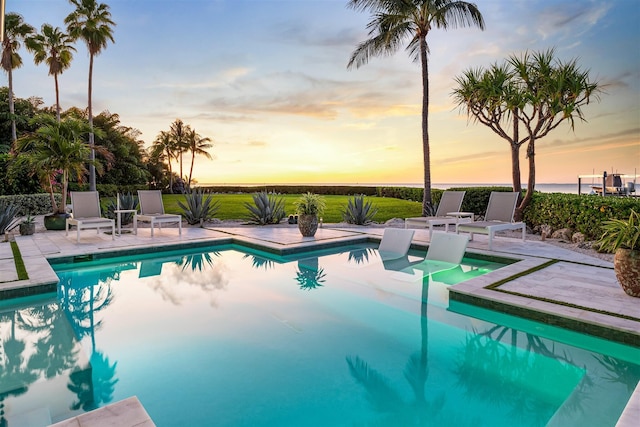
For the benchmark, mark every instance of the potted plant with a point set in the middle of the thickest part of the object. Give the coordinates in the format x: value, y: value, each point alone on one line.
x: 622, y: 236
x: 308, y: 207
x: 27, y: 226
x: 55, y: 151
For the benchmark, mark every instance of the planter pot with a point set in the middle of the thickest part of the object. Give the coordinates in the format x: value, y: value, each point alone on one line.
x: 308, y: 225
x: 626, y: 264
x: 55, y: 221
x: 27, y: 229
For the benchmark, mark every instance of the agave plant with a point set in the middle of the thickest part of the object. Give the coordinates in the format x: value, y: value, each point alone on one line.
x: 358, y: 211
x: 199, y: 207
x: 8, y: 214
x: 127, y: 202
x: 266, y: 209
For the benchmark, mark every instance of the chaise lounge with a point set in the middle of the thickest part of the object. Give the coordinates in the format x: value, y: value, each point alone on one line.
x: 499, y: 217
x: 446, y: 214
x: 85, y: 208
x: 152, y: 211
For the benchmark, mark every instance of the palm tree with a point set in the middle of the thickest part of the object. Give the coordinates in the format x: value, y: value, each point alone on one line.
x: 179, y: 137
x: 91, y: 22
x: 396, y: 20
x: 16, y: 30
x: 57, y: 149
x: 198, y: 146
x: 53, y: 46
x: 162, y: 149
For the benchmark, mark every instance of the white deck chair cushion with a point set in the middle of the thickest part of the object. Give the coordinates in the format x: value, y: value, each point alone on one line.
x: 447, y: 247
x: 395, y: 243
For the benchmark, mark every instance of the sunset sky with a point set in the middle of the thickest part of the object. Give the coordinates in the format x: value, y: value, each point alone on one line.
x: 267, y: 81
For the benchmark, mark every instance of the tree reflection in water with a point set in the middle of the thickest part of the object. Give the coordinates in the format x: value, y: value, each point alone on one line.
x: 488, y: 365
x: 259, y: 262
x: 360, y: 256
x: 387, y: 401
x: 309, y: 275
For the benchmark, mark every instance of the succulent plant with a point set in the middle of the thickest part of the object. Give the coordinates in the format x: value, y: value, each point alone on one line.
x: 358, y: 211
x: 266, y: 209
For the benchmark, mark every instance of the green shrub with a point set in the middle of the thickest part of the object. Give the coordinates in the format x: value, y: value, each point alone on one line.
x: 127, y: 202
x: 35, y: 204
x: 199, y: 208
x: 359, y: 212
x: 266, y: 209
x: 310, y: 204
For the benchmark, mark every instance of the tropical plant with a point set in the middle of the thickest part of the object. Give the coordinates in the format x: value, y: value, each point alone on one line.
x: 91, y: 22
x: 8, y: 215
x: 621, y: 233
x: 54, y: 47
x: 56, y: 150
x: 394, y: 21
x: 15, y: 31
x: 524, y: 99
x: 266, y: 209
x: 199, y: 207
x: 310, y: 204
x: 162, y: 149
x: 179, y: 138
x: 198, y: 146
x: 125, y: 201
x: 358, y: 211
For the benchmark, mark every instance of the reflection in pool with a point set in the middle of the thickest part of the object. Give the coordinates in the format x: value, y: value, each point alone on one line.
x: 237, y: 337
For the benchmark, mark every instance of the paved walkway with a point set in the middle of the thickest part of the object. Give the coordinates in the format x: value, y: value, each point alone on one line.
x: 548, y: 283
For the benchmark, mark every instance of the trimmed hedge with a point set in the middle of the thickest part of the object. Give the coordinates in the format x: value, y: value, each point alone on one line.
x: 34, y: 204
x: 338, y: 190
x: 583, y: 213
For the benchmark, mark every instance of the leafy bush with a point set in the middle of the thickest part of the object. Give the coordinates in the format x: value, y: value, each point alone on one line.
x: 621, y: 233
x: 358, y: 211
x: 127, y: 202
x: 310, y: 204
x: 266, y: 209
x: 199, y: 208
x: 8, y: 214
x: 36, y: 204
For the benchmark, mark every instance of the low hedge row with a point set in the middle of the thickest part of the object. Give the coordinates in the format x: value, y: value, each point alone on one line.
x: 33, y: 204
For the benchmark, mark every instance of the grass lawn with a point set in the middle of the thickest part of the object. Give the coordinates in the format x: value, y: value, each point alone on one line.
x: 232, y: 206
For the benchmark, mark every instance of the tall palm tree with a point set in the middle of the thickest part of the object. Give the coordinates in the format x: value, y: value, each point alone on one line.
x: 392, y: 22
x: 16, y: 31
x: 54, y: 47
x: 179, y: 137
x: 162, y: 148
x: 91, y: 22
x: 198, y: 146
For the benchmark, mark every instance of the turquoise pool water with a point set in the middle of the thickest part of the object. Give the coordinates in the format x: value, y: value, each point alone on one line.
x: 231, y: 337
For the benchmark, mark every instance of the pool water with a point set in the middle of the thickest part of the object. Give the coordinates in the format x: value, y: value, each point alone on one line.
x: 237, y: 337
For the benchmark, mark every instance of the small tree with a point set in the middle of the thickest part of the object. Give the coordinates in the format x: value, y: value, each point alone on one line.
x: 524, y: 99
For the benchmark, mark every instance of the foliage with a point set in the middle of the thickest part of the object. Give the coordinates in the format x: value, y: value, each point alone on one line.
x: 358, y: 211
x: 28, y: 219
x: 524, y: 99
x: 17, y: 179
x: 621, y: 233
x: 310, y: 279
x: 57, y: 151
x: 583, y: 213
x: 310, y: 204
x: 393, y: 22
x: 127, y: 202
x: 199, y: 208
x: 8, y: 213
x: 37, y: 204
x: 24, y: 111
x: 266, y: 209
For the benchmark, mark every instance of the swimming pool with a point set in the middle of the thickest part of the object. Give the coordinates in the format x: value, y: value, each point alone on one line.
x: 234, y: 337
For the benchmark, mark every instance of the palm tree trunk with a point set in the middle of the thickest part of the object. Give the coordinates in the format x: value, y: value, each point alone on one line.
x: 515, y: 154
x: 427, y: 205
x: 193, y: 159
x: 14, y: 136
x: 531, y: 184
x: 92, y: 168
x: 55, y: 78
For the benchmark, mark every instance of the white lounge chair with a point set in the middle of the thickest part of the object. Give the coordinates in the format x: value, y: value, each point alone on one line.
x: 499, y: 217
x: 85, y: 211
x: 445, y: 252
x: 450, y: 203
x: 395, y: 243
x: 152, y: 211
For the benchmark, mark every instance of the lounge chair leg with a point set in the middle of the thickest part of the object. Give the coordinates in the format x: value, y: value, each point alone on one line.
x: 78, y: 234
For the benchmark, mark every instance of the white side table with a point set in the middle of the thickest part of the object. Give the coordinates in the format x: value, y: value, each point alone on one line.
x: 119, y: 212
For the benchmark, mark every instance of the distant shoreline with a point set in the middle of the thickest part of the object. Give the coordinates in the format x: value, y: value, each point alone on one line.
x: 567, y: 188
